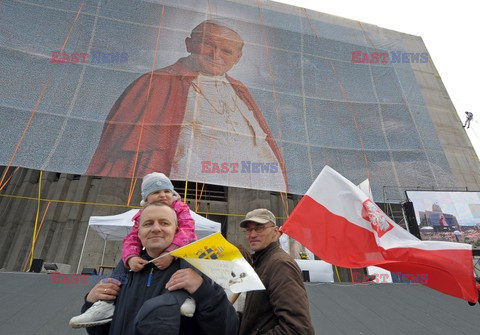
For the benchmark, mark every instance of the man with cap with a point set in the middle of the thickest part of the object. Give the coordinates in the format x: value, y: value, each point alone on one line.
x: 149, y: 301
x: 283, y: 307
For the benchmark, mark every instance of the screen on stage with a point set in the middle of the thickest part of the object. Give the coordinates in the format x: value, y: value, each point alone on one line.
x: 447, y: 216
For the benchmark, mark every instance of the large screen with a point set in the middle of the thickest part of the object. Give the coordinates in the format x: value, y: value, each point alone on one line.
x: 447, y: 216
x: 248, y: 94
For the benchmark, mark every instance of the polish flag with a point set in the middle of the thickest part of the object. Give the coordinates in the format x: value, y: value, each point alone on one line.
x: 342, y: 226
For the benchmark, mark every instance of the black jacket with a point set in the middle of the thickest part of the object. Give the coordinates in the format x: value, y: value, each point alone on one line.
x: 143, y: 308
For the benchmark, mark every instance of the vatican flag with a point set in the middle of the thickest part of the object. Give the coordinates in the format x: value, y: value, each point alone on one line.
x: 221, y: 261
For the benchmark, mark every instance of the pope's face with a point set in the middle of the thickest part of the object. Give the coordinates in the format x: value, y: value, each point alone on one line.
x: 214, y: 50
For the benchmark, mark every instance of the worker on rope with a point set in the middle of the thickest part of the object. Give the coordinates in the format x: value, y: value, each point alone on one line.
x: 468, y: 120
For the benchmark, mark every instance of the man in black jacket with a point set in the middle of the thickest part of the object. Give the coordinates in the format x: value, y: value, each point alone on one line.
x: 149, y: 301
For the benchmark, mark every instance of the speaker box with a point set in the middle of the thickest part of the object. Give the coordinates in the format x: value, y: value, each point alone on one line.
x: 306, y: 276
x: 89, y: 271
x: 37, y: 265
x: 411, y: 219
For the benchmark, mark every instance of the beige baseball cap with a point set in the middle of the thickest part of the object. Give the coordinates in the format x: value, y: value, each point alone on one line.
x: 260, y: 215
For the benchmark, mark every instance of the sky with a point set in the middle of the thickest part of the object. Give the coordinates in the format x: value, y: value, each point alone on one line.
x: 449, y: 30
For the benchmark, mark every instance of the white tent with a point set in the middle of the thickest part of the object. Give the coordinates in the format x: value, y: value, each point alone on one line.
x: 318, y: 271
x: 116, y: 227
x: 113, y: 227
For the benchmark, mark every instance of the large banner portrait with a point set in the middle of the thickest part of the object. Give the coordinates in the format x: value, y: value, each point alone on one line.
x: 252, y: 94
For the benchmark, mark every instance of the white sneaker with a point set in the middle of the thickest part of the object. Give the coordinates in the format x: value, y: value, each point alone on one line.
x: 100, y: 313
x: 188, y: 307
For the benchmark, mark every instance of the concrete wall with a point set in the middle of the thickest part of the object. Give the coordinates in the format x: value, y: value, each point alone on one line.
x: 63, y: 222
x: 62, y: 233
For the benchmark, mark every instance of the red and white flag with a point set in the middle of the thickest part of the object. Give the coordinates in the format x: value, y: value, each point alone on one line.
x: 342, y: 226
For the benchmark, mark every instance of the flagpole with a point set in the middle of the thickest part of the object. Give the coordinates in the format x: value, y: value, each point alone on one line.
x: 338, y: 275
x: 159, y: 257
x: 234, y: 297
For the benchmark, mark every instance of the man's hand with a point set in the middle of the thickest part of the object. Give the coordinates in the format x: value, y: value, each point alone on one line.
x: 136, y: 263
x: 164, y: 262
x: 186, y: 279
x: 106, y: 289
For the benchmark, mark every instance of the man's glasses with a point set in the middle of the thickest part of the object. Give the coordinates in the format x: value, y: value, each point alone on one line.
x: 257, y: 229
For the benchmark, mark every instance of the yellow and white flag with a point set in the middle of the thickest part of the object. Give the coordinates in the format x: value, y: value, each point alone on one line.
x: 222, y: 262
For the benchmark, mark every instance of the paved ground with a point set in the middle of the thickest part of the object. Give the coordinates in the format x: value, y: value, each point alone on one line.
x: 392, y: 309
x: 31, y: 304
